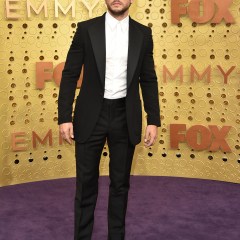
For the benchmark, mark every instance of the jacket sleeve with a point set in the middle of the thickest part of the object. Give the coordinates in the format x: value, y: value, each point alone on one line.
x: 70, y: 76
x: 149, y: 84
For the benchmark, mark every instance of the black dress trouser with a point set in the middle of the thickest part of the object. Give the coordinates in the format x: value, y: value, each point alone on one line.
x: 111, y: 126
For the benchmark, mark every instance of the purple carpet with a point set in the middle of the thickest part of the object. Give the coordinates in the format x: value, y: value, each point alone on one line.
x: 160, y: 208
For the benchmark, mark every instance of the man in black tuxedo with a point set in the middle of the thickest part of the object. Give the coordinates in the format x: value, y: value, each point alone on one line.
x: 117, y: 54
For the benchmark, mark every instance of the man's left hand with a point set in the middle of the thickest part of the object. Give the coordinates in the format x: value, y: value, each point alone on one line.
x: 150, y: 135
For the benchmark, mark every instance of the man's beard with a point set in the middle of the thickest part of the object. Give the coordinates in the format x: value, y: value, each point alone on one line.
x: 118, y: 12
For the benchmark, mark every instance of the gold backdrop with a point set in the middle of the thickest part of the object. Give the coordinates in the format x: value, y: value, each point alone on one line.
x: 30, y: 145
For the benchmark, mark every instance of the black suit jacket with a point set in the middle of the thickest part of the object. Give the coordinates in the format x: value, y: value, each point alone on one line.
x: 88, y: 49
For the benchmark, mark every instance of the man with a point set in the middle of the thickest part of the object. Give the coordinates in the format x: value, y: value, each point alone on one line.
x: 116, y: 52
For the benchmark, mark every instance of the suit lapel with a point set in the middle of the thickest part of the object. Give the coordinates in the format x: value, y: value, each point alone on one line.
x: 97, y: 36
x: 134, y: 49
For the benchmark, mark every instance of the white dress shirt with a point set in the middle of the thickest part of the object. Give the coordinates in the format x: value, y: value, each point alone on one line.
x: 116, y: 57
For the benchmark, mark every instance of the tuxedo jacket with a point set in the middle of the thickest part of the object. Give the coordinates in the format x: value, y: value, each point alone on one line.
x: 88, y: 49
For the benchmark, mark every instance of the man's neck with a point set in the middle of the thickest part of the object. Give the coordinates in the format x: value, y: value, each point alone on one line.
x: 119, y: 17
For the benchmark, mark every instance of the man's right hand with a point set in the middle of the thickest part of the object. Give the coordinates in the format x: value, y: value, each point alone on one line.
x: 66, y: 130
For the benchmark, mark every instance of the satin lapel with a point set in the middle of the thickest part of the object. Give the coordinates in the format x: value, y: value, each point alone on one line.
x: 97, y: 36
x: 134, y: 49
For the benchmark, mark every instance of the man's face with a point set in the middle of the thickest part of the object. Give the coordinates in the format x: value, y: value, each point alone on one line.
x: 118, y: 7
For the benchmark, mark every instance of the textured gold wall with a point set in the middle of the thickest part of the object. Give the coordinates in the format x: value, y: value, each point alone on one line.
x: 24, y: 108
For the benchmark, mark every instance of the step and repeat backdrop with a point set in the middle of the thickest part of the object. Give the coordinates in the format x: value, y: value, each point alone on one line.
x: 197, y: 57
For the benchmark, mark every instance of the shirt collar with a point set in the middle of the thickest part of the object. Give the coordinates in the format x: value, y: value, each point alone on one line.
x: 112, y: 22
